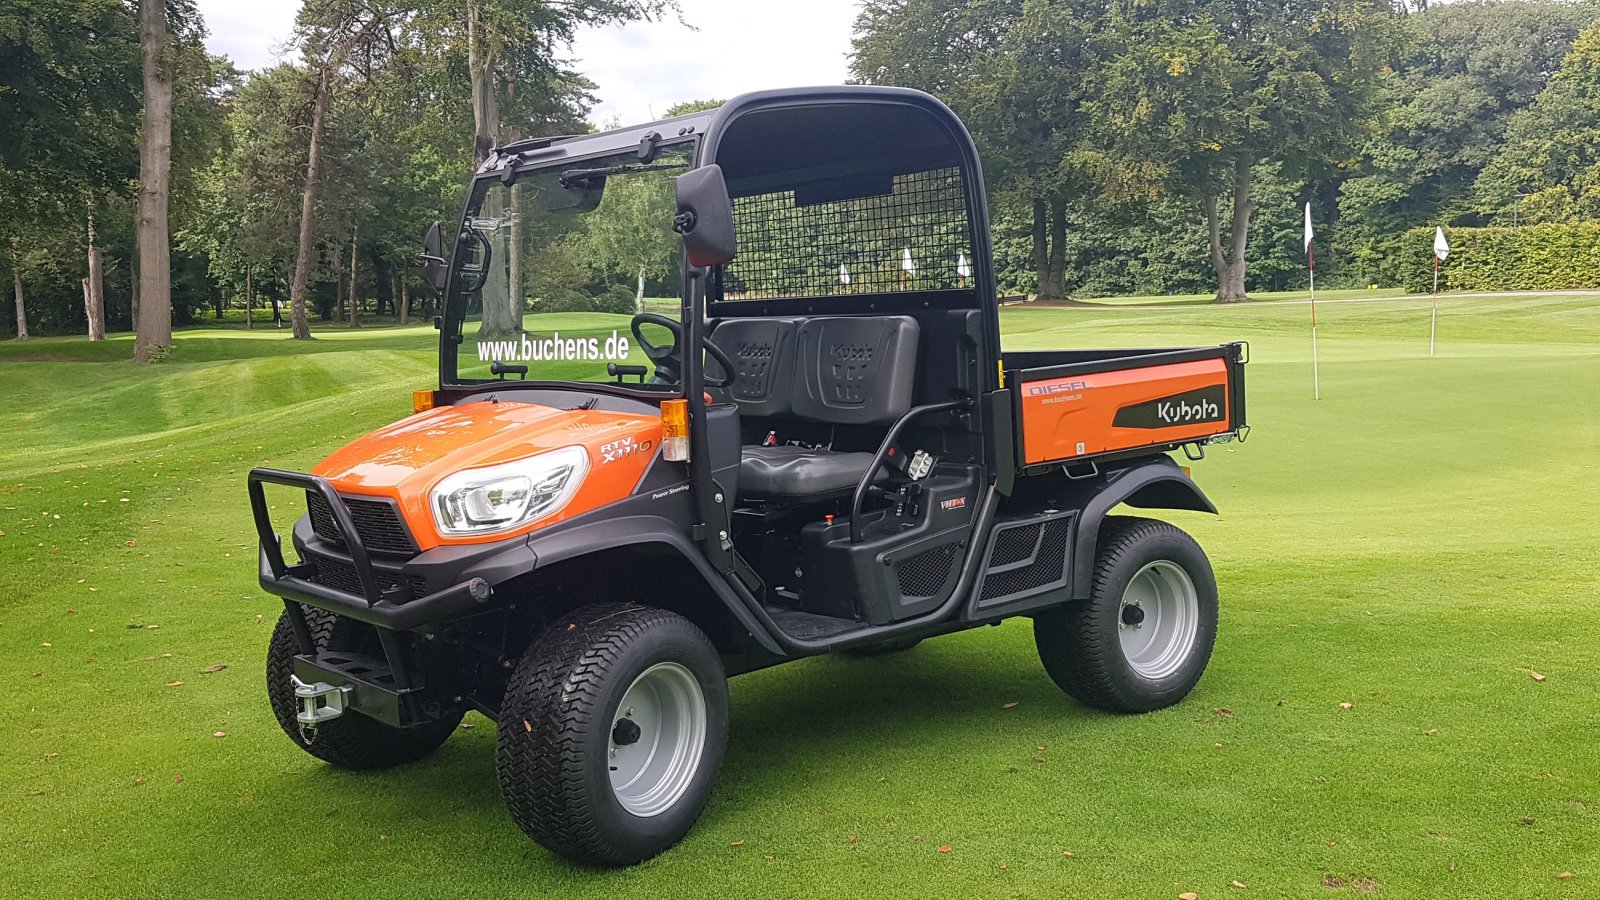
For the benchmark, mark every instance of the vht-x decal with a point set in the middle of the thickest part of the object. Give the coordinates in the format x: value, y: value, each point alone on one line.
x: 1208, y: 404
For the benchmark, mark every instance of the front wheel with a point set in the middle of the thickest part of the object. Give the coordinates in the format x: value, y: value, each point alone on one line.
x: 352, y: 741
x: 1143, y: 637
x: 611, y: 733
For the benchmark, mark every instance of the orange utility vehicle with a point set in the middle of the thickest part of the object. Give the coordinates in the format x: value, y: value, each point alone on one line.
x: 595, y: 519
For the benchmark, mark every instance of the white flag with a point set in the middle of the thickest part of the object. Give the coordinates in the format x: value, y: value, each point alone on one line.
x: 906, y: 263
x: 1441, y: 247
x: 844, y: 274
x: 1308, y: 227
x: 962, y: 268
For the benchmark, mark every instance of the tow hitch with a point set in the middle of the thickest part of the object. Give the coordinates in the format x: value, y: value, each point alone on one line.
x: 319, y: 701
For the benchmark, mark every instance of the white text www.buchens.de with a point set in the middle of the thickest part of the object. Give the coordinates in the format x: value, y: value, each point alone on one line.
x: 554, y: 348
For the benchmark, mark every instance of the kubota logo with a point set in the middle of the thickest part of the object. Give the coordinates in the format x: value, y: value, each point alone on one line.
x: 1181, y: 411
x: 1208, y: 404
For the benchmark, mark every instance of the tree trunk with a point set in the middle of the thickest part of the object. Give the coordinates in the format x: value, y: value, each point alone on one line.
x: 514, y: 262
x: 16, y: 286
x: 308, y: 199
x: 1054, y: 287
x: 638, y: 297
x: 133, y: 288
x: 1230, y: 266
x: 94, y: 298
x: 480, y: 70
x: 154, y: 328
x: 355, y: 311
x: 1041, y: 247
x: 405, y: 301
x: 249, y: 307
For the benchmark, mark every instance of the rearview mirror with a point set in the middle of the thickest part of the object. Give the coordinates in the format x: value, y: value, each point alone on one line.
x: 705, y: 217
x: 433, y: 261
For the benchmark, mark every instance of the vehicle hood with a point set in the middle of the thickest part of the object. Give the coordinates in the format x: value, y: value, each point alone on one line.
x: 403, y: 461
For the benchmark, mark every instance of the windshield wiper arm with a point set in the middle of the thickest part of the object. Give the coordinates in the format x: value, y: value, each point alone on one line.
x: 573, y: 176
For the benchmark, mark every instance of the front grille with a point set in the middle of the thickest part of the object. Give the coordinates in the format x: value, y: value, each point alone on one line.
x: 924, y: 575
x: 341, y: 576
x: 1049, y: 567
x: 377, y: 523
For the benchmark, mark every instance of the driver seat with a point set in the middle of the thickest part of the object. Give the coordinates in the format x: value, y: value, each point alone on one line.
x: 846, y: 370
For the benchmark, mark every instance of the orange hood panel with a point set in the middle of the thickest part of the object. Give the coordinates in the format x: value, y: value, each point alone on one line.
x: 403, y: 461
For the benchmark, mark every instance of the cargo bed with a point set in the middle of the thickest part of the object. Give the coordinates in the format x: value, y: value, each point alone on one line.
x: 1075, y: 405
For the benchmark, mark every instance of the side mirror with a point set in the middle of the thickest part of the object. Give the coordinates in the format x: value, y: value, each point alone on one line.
x: 705, y: 217
x: 433, y: 261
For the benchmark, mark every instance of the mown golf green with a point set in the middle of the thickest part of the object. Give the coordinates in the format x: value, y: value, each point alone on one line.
x: 1403, y: 699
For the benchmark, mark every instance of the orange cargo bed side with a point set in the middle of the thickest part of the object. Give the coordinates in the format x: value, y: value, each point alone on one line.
x: 1117, y: 403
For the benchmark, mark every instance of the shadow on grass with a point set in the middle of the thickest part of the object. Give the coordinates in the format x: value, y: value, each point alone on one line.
x: 796, y: 722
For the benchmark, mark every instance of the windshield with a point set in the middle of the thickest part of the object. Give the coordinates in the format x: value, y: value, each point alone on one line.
x: 553, y: 269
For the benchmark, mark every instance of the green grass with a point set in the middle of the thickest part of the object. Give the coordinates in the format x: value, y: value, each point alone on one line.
x: 1258, y: 296
x: 1416, y: 544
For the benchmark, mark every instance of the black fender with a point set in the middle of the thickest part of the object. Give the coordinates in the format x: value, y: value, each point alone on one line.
x: 1152, y: 484
x: 623, y: 531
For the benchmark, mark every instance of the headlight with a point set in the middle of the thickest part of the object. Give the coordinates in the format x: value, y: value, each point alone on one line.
x: 502, y: 497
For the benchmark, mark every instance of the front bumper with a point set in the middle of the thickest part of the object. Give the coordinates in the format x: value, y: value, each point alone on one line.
x: 467, y: 575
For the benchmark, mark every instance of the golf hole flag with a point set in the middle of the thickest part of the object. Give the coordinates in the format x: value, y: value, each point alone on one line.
x: 1441, y: 252
x: 1311, y: 266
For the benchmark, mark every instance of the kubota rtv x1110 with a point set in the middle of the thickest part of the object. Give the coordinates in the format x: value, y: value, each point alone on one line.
x: 819, y: 446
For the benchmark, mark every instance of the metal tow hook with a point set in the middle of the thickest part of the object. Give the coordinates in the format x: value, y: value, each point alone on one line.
x: 320, y: 701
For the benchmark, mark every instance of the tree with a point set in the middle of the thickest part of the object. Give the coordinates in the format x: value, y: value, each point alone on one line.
x: 1200, y: 93
x: 1466, y: 69
x: 627, y: 234
x: 331, y: 32
x: 1549, y: 170
x: 154, y: 329
x: 16, y: 287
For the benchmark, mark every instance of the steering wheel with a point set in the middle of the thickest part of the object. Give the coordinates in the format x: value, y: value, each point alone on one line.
x: 666, y: 359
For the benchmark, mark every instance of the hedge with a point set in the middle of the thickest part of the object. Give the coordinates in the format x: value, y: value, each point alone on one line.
x: 1534, y: 258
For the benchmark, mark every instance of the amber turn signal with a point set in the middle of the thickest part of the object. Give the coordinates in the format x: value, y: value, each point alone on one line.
x: 675, y: 430
x: 421, y: 401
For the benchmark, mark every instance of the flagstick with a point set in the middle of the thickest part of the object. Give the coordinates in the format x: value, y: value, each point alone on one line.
x: 1316, y: 379
x: 1433, y: 323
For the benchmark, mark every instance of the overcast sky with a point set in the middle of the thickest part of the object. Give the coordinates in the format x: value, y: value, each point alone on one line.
x: 641, y: 68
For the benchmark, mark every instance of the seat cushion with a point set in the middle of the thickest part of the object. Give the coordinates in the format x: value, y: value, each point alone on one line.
x: 800, y: 472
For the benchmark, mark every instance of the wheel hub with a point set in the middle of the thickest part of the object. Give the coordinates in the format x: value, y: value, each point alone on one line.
x: 1160, y: 618
x: 625, y: 732
x: 657, y: 740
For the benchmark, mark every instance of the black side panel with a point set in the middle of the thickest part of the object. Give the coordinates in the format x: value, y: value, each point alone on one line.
x: 1028, y: 561
x: 856, y: 370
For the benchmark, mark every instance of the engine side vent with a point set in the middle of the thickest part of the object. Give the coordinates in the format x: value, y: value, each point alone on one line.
x: 1026, y: 559
x: 925, y: 574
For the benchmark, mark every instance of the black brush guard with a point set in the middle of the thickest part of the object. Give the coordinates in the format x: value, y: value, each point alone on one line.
x: 396, y: 609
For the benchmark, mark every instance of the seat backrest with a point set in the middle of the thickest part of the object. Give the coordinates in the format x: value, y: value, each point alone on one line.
x: 855, y: 370
x: 762, y: 350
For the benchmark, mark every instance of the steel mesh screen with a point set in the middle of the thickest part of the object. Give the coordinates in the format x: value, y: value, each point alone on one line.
x: 914, y: 238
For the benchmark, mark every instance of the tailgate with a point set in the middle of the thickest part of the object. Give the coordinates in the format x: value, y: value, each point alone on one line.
x: 1072, y: 405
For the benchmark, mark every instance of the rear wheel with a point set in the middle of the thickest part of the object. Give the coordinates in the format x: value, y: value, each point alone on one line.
x: 1143, y: 638
x: 611, y: 733
x: 352, y: 741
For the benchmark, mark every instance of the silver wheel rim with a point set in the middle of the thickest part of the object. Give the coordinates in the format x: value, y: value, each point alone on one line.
x: 658, y: 733
x: 1158, y: 619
